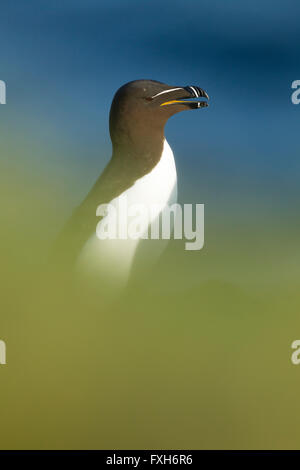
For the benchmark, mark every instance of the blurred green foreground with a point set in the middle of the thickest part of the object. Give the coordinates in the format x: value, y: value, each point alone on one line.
x: 195, y: 357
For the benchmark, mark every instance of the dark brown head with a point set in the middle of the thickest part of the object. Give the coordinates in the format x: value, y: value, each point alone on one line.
x: 140, y: 110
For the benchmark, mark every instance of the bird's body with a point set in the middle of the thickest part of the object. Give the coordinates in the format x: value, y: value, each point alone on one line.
x: 152, y: 192
x: 142, y: 170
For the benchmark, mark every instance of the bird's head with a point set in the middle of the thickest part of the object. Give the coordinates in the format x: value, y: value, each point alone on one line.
x: 142, y: 107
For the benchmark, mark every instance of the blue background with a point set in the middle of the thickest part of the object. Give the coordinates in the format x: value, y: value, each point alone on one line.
x: 63, y: 61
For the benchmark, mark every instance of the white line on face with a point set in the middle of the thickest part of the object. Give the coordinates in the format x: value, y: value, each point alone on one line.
x: 166, y: 91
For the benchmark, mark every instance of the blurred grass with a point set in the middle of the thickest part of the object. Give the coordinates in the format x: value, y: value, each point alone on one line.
x: 196, y: 355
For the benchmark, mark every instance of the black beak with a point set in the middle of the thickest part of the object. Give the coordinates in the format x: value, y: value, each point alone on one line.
x: 184, y: 97
x: 196, y: 92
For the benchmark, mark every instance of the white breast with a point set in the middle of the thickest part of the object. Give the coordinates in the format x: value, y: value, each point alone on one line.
x: 156, y: 190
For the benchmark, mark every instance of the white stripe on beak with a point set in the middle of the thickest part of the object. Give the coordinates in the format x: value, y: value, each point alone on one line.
x: 195, y: 91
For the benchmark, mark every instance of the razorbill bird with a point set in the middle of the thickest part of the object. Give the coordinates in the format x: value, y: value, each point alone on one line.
x: 142, y: 168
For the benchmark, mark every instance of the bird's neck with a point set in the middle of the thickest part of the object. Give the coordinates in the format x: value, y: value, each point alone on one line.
x: 141, y: 151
